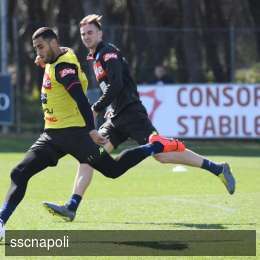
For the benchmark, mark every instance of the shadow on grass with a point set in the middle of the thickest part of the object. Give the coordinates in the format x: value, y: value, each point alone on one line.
x: 176, y: 224
x: 189, y: 225
x: 159, y: 245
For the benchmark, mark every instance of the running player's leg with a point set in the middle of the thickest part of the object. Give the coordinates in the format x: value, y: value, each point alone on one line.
x: 190, y: 158
x: 85, y: 173
x: 36, y: 159
x: 82, y: 181
x: 129, y: 158
x: 140, y: 130
x: 81, y: 146
x: 100, y: 160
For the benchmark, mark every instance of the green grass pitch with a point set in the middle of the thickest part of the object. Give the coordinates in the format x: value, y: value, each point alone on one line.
x: 149, y: 196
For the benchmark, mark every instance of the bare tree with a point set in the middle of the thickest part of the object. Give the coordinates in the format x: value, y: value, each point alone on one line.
x: 255, y: 10
x: 212, y: 36
x: 191, y: 40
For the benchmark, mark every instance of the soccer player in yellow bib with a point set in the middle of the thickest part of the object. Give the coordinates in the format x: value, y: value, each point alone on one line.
x: 69, y: 125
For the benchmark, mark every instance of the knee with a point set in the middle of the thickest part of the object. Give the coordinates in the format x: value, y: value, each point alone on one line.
x: 108, y: 166
x: 109, y: 172
x: 160, y: 158
x: 85, y: 169
x: 18, y: 176
x: 111, y: 175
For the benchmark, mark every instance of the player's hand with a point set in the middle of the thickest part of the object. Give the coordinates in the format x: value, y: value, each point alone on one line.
x: 97, y: 137
x: 39, y: 62
x: 108, y: 114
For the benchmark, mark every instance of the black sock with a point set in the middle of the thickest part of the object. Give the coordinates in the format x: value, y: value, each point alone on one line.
x: 151, y: 149
x: 215, y: 168
x: 74, y: 202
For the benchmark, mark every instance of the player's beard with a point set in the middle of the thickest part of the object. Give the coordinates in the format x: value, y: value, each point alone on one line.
x: 50, y: 56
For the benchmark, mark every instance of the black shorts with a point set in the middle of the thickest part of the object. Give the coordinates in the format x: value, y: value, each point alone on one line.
x: 131, y: 123
x: 55, y: 143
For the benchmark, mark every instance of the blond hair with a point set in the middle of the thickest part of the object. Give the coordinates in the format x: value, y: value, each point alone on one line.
x: 91, y: 19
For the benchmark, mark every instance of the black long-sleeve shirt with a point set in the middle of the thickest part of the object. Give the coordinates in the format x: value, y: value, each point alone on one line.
x: 112, y: 73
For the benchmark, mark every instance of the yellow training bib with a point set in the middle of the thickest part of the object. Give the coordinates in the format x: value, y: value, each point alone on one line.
x: 59, y: 108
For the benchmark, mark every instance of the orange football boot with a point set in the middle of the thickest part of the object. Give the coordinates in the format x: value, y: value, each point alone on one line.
x: 170, y: 145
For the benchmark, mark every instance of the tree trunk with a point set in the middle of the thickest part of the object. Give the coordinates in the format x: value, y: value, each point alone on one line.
x: 191, y: 41
x: 255, y: 10
x: 211, y: 39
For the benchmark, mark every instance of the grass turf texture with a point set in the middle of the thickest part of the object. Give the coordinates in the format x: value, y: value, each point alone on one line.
x: 150, y: 196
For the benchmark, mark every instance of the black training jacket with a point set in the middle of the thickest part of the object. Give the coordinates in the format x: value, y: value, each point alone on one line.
x: 112, y: 73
